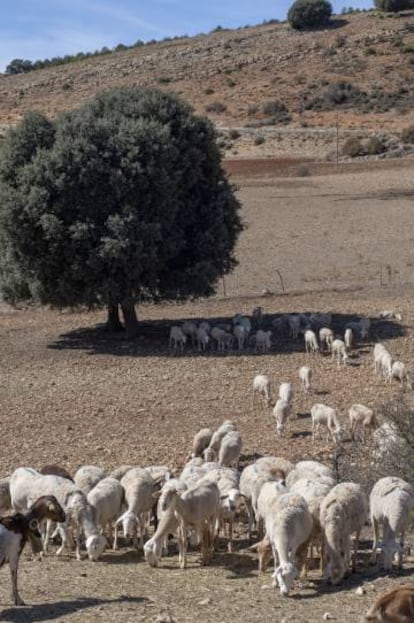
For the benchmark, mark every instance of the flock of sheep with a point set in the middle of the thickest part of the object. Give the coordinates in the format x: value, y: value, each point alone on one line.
x: 292, y: 508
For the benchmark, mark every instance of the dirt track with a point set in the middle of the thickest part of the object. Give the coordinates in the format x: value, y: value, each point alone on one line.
x: 77, y: 396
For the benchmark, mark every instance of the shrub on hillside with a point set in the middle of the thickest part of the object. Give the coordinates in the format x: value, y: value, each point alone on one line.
x: 216, y: 107
x: 407, y: 135
x: 353, y: 147
x: 305, y: 14
x: 375, y: 146
x: 393, y: 6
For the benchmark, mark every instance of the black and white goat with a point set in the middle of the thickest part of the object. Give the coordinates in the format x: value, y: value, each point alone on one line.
x: 16, y: 530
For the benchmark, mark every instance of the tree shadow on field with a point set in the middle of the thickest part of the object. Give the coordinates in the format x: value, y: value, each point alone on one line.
x: 54, y: 610
x: 153, y: 338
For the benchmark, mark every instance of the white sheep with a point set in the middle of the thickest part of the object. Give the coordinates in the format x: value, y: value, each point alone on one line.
x: 265, y: 468
x: 266, y: 492
x: 348, y: 339
x: 230, y: 449
x: 399, y: 371
x: 294, y: 322
x: 205, y: 325
x: 27, y: 484
x: 344, y: 511
x: 288, y: 525
x: 389, y: 315
x: 119, y: 472
x: 177, y: 339
x: 263, y: 340
x: 391, y: 504
x: 196, y: 508
x: 379, y: 350
x: 322, y: 415
x: 311, y: 470
x: 386, y: 363
x: 218, y: 435
x: 106, y: 499
x: 202, y: 338
x: 138, y: 485
x: 190, y: 330
x: 227, y: 480
x: 311, y: 342
x: 87, y: 477
x: 305, y: 377
x: 326, y: 338
x: 261, y: 385
x: 363, y: 417
x: 155, y: 547
x: 201, y: 441
x: 241, y: 336
x: 225, y: 341
x: 339, y: 351
x: 359, y: 328
x: 286, y: 392
x: 281, y: 413
x: 243, y: 321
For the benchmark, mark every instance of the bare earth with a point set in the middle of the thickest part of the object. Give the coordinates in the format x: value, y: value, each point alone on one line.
x: 73, y: 395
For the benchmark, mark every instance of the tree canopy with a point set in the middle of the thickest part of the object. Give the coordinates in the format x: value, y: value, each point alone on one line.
x: 309, y: 14
x: 393, y: 6
x: 121, y: 201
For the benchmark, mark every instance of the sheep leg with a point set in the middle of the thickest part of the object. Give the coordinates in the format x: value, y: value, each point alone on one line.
x: 355, y: 551
x: 66, y: 539
x: 375, y: 541
x: 115, y: 543
x: 230, y: 543
x: 400, y: 551
x: 14, y: 565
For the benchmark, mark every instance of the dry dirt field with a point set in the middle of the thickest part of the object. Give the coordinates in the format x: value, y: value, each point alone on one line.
x: 73, y: 395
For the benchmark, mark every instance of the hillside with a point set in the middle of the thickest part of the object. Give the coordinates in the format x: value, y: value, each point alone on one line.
x: 280, y: 89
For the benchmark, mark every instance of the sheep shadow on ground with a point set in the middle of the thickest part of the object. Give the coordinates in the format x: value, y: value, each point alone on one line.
x: 54, y: 610
x: 153, y: 337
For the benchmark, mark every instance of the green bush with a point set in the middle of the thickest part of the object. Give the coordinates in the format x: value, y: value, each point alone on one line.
x: 393, y: 6
x: 407, y: 135
x: 305, y: 14
x: 375, y: 146
x: 353, y: 147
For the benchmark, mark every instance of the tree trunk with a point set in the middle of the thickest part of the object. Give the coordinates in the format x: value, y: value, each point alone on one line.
x: 130, y: 318
x: 113, y: 323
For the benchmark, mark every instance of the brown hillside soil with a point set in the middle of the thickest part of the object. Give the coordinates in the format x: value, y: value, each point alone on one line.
x: 247, y: 68
x: 73, y: 395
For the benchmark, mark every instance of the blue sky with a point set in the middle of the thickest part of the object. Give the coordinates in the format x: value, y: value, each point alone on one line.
x: 38, y: 29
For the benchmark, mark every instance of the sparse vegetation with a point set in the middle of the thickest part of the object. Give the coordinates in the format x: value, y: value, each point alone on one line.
x: 407, y: 135
x: 353, y: 148
x: 304, y: 14
x: 216, y: 107
x: 259, y: 139
x: 374, y: 146
x: 234, y: 134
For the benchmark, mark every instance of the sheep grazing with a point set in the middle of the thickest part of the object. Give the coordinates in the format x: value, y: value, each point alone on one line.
x: 294, y: 322
x: 27, y: 484
x: 119, y: 472
x: 268, y: 491
x: 394, y: 606
x: 322, y: 415
x: 263, y: 341
x: 241, y: 336
x: 344, y: 511
x: 311, y: 470
x: 5, y: 501
x: 281, y: 413
x: 261, y: 386
x: 201, y: 441
x: 106, y: 499
x: 286, y: 392
x: 190, y: 331
x: 177, y: 339
x: 361, y: 417
x: 87, y: 477
x: 391, y: 504
x: 196, y: 508
x: 230, y: 449
x: 389, y: 315
x: 225, y: 341
x: 360, y: 327
x: 218, y: 435
x: 348, y: 339
x: 305, y: 377
x: 202, y: 338
x: 311, y: 342
x: 379, y: 350
x: 288, y: 525
x: 156, y: 546
x: 326, y: 338
x: 399, y: 371
x: 17, y: 529
x: 227, y: 480
x: 339, y: 351
x: 386, y: 363
x: 138, y: 485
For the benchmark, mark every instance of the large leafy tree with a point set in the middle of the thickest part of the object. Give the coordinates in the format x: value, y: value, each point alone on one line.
x: 393, y: 6
x: 121, y: 201
x: 305, y: 14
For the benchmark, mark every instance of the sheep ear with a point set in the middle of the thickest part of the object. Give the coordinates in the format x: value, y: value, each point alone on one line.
x: 223, y: 497
x: 254, y: 548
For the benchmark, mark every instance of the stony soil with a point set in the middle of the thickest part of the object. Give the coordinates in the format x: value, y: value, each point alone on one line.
x: 73, y: 395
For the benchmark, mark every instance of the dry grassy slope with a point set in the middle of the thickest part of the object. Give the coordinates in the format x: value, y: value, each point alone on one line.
x: 262, y: 63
